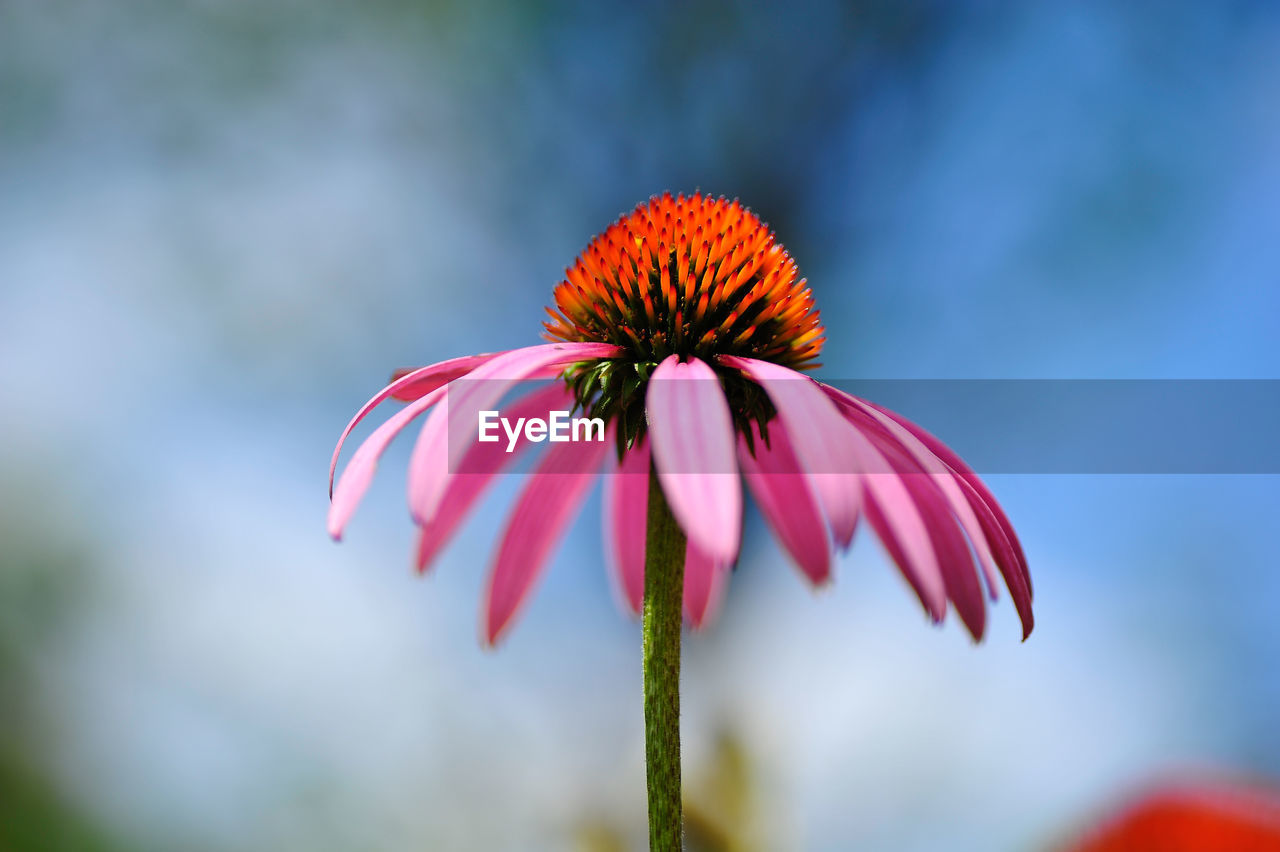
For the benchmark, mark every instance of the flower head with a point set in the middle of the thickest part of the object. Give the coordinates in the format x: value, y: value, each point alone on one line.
x: 684, y: 328
x: 696, y: 277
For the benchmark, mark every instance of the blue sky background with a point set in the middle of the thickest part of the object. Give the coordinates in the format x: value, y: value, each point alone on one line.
x: 221, y: 225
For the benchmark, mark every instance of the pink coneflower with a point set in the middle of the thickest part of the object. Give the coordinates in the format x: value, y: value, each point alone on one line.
x: 685, y: 327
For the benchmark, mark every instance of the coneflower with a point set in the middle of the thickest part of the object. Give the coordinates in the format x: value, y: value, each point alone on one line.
x: 683, y: 329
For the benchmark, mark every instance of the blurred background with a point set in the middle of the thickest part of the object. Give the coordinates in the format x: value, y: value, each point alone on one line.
x: 222, y: 224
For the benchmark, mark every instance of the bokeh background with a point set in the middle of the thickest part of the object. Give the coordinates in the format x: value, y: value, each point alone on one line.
x: 223, y: 223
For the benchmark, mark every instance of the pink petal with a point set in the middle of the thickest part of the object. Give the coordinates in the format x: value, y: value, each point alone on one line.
x: 626, y: 510
x: 451, y: 428
x: 691, y: 431
x: 409, y: 385
x: 955, y: 560
x: 824, y: 453
x: 786, y: 500
x: 478, y: 468
x: 359, y: 471
x: 998, y: 531
x: 898, y: 523
x: 551, y: 498
x: 705, y: 581
x: 954, y: 557
x: 929, y: 464
x: 963, y: 471
x: 1007, y: 557
x: 952, y: 548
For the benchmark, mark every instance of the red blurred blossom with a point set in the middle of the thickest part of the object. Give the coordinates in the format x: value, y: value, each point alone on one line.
x: 685, y: 327
x: 1224, y: 816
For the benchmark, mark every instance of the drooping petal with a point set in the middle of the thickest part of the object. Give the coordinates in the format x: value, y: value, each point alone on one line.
x: 926, y: 463
x: 787, y: 501
x: 967, y: 473
x: 824, y: 453
x: 1005, y: 554
x: 408, y: 386
x: 705, y: 581
x: 898, y: 523
x: 451, y: 428
x: 359, y: 471
x: 410, y: 383
x: 997, y: 531
x: 954, y: 558
x: 626, y: 509
x: 482, y: 462
x: 552, y: 496
x: 691, y: 432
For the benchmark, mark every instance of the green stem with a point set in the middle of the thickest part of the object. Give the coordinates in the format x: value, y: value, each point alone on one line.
x: 663, y: 618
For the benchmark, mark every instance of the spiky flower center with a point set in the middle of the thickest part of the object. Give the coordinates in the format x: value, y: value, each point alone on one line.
x: 692, y: 276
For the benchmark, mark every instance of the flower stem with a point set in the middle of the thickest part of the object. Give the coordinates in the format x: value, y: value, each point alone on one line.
x: 663, y: 600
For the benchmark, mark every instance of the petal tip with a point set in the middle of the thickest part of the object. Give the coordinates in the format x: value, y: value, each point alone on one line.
x: 819, y: 584
x: 496, y: 629
x: 492, y: 630
x: 421, y: 567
